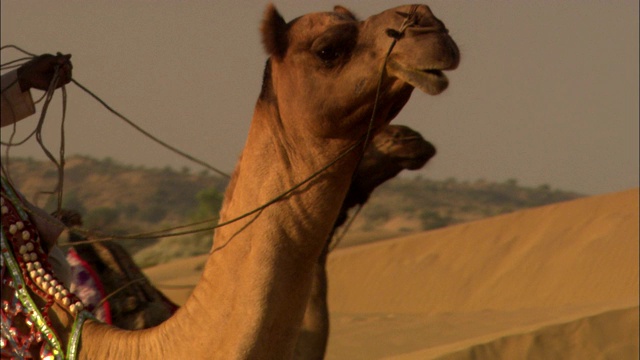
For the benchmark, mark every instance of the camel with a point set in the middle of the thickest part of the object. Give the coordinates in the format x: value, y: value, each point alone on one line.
x: 325, y: 74
x: 125, y: 295
x: 134, y: 303
x: 394, y: 149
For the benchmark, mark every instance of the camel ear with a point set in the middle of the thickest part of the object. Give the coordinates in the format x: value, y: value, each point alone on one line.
x: 274, y: 32
x: 344, y: 11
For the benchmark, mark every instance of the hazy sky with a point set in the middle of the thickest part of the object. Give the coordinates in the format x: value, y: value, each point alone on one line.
x: 546, y: 93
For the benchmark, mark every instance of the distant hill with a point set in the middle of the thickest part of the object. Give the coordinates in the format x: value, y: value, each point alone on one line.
x: 122, y: 199
x: 117, y: 198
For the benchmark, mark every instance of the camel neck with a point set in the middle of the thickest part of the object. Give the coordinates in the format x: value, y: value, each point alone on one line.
x: 250, y: 300
x: 260, y: 267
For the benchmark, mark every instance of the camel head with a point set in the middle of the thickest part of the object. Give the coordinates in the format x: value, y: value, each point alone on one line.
x: 400, y: 146
x: 392, y: 150
x: 325, y: 74
x: 325, y: 67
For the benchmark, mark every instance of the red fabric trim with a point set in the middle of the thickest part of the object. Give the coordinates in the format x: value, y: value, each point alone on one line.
x: 105, y: 305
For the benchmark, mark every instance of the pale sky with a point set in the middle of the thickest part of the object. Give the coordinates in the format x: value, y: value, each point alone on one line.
x: 546, y: 93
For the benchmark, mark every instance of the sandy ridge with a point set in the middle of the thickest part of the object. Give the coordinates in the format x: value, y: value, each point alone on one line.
x: 555, y: 282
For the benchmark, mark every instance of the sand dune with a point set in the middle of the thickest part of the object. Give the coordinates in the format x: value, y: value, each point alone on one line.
x: 556, y: 282
x: 610, y: 335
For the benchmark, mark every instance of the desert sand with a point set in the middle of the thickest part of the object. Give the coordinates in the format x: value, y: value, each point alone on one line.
x: 555, y: 282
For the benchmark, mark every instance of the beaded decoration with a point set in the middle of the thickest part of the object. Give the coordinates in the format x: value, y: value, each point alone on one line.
x: 26, y: 328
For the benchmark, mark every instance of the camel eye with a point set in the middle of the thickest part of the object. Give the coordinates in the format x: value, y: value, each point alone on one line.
x: 329, y: 54
x: 335, y: 45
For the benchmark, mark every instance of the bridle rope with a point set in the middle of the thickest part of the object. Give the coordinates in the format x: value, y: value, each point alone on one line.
x: 396, y: 35
x: 19, y: 206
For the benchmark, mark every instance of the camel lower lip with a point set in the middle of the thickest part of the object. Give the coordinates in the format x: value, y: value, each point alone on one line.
x: 431, y: 81
x: 435, y: 75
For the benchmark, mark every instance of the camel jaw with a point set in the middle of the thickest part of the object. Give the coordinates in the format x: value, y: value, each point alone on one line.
x: 430, y: 81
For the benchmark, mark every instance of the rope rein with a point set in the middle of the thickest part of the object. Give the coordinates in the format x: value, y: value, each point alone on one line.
x: 48, y: 96
x: 147, y: 134
x: 335, y: 241
x: 178, y: 230
x: 396, y: 35
x: 115, y: 292
x: 58, y: 163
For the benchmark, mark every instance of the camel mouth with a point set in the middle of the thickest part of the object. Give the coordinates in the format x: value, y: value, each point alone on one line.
x: 417, y: 160
x: 420, y: 154
x: 411, y: 151
x: 429, y: 80
x: 414, y: 164
x: 434, y: 72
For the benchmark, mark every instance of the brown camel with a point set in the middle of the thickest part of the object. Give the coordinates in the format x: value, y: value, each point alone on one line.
x: 317, y: 100
x: 134, y: 303
x: 394, y: 149
x: 130, y: 299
